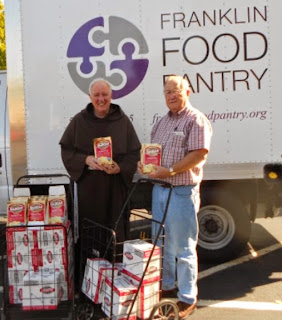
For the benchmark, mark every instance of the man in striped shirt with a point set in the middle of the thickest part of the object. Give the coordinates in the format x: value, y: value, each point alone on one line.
x: 185, y: 135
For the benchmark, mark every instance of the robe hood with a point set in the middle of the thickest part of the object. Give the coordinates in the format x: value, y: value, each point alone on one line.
x: 115, y: 113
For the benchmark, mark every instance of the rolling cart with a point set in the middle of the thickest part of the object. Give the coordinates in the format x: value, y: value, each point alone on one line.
x: 122, y: 280
x: 37, y: 263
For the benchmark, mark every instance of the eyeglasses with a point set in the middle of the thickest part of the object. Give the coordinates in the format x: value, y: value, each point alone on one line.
x: 169, y: 92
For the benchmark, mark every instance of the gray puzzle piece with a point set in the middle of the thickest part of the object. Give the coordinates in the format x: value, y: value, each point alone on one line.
x: 120, y: 29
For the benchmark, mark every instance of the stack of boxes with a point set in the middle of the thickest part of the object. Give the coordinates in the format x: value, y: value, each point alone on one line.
x: 96, y: 270
x: 39, y: 253
x: 135, y: 257
x: 40, y: 265
x: 120, y: 292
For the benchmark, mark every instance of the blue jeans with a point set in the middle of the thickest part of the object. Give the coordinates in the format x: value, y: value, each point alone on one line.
x: 180, y: 262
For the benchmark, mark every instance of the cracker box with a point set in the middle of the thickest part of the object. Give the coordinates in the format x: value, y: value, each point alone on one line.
x: 42, y: 290
x: 103, y: 149
x: 151, y: 154
x: 123, y: 297
x: 37, y: 210
x: 57, y: 206
x: 96, y: 270
x: 148, y: 295
x: 135, y: 257
x: 17, y: 212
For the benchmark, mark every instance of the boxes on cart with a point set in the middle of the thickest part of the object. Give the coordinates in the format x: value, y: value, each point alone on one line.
x: 96, y: 270
x: 148, y: 295
x: 28, y: 250
x: 122, y: 299
x: 42, y: 290
x: 136, y: 254
x: 31, y: 248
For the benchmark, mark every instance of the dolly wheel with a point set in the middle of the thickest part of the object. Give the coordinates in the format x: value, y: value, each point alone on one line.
x: 84, y: 311
x: 166, y: 310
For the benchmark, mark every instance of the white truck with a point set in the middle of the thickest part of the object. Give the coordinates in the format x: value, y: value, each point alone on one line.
x: 229, y: 51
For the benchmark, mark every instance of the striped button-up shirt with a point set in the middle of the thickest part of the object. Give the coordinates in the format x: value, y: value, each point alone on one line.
x: 179, y: 134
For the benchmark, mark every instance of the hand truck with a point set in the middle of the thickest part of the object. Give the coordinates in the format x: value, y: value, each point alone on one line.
x: 100, y: 243
x: 24, y: 251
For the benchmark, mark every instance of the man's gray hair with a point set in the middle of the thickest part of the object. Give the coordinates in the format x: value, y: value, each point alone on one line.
x: 183, y: 83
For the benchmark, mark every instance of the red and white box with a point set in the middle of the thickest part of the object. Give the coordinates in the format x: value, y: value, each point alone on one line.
x: 36, y: 210
x: 20, y: 260
x: 148, y: 295
x: 16, y: 294
x: 57, y: 205
x: 136, y: 254
x: 15, y: 278
x: 96, y: 270
x: 42, y: 290
x: 21, y: 238
x: 123, y: 297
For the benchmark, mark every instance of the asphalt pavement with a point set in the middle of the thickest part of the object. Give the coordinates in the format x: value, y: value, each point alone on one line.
x: 249, y: 287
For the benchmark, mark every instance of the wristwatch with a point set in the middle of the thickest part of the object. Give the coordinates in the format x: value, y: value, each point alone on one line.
x: 171, y: 171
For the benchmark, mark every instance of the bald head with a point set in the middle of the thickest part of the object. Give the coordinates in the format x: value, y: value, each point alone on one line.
x: 100, y: 93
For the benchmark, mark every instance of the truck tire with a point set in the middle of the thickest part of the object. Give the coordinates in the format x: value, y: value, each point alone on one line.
x: 224, y: 226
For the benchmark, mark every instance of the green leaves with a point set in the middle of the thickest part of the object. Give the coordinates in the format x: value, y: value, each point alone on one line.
x: 2, y: 38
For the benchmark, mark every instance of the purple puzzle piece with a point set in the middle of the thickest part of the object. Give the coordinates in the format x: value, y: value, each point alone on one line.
x: 80, y: 47
x: 135, y: 70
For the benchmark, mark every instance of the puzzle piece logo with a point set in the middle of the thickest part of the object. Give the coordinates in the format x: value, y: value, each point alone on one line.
x: 111, y: 48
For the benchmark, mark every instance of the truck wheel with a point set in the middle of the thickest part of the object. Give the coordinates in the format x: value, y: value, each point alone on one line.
x: 224, y: 227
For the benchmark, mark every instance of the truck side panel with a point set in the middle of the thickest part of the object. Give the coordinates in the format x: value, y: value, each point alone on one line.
x: 229, y: 52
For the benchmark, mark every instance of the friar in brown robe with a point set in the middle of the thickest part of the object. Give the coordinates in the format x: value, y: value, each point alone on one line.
x: 101, y: 194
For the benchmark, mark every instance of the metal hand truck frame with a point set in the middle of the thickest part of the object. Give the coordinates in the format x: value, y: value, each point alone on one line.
x: 98, y: 241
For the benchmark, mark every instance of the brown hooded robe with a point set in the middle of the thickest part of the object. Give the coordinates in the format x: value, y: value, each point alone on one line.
x: 100, y: 195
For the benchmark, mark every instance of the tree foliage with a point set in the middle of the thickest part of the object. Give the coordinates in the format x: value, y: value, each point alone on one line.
x: 2, y: 38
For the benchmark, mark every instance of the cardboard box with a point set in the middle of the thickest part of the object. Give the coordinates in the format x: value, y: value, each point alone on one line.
x: 28, y: 250
x: 135, y: 257
x: 96, y: 270
x: 20, y: 238
x: 15, y: 294
x: 15, y: 278
x: 20, y: 260
x: 148, y: 295
x: 123, y: 297
x: 42, y: 290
